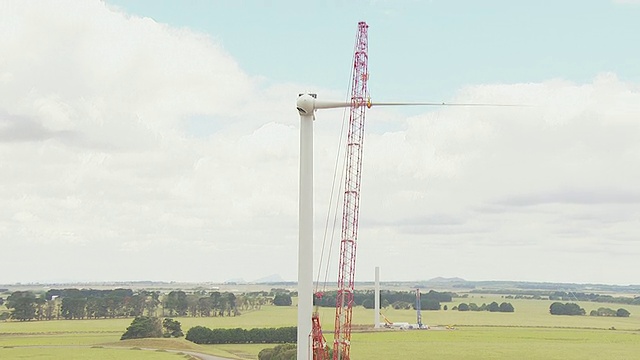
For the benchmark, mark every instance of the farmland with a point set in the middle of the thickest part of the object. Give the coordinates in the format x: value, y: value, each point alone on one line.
x: 529, y: 332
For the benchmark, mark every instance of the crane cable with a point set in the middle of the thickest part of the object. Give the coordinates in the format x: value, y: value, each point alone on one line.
x: 332, y: 199
x: 333, y: 196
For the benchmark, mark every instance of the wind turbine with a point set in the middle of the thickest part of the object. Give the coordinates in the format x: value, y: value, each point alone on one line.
x: 307, y: 104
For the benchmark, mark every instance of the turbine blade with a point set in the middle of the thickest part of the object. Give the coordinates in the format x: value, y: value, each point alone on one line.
x: 320, y: 104
x: 437, y: 104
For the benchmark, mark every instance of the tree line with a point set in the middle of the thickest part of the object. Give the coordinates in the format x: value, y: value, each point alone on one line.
x: 204, y: 335
x: 73, y: 304
x: 558, y: 308
x: 562, y: 296
x: 396, y: 299
x: 603, y: 311
x: 580, y: 296
x: 493, y: 307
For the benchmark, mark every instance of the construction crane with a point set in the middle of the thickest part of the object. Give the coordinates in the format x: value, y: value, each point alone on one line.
x: 351, y: 201
x: 351, y: 210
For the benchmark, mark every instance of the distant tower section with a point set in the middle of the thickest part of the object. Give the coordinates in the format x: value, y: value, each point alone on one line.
x: 376, y: 318
x: 418, y: 308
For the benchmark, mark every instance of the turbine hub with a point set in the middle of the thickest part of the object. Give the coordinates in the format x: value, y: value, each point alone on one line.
x: 306, y: 103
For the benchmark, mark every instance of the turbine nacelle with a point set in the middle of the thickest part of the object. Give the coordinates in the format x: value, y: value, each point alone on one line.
x: 307, y: 104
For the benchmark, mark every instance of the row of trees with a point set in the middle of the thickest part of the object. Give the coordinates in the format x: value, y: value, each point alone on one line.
x: 81, y: 304
x: 580, y: 296
x: 397, y: 299
x: 203, y: 335
x: 493, y: 307
x: 178, y: 303
x: 610, y: 312
x: 93, y: 304
x: 562, y: 296
x: 425, y: 304
x: 558, y: 308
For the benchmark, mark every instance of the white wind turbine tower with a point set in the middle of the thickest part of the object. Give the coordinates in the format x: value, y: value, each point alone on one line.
x: 307, y: 105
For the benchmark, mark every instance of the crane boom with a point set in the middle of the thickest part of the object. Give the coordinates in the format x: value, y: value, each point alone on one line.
x: 351, y: 201
x: 346, y: 271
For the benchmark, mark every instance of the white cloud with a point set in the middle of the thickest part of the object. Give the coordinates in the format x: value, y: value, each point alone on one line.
x: 94, y: 108
x: 126, y: 145
x: 510, y: 176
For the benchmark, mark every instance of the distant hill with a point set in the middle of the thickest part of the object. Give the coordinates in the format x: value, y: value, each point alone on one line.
x: 446, y: 280
x: 235, y: 281
x: 273, y: 278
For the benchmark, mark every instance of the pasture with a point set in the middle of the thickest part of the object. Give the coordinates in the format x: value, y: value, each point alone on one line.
x: 531, y: 332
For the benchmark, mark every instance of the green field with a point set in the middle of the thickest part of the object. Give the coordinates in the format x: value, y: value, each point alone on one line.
x: 531, y: 333
x: 86, y: 353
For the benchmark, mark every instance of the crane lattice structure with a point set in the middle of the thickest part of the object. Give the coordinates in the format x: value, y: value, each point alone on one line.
x: 351, y: 202
x: 351, y: 209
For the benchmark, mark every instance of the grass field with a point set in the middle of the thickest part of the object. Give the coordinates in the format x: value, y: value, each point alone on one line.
x: 498, y: 343
x: 529, y: 333
x: 86, y: 353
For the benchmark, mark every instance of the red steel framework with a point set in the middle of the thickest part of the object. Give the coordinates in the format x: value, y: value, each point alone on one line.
x: 351, y: 204
x: 318, y: 342
x: 351, y: 209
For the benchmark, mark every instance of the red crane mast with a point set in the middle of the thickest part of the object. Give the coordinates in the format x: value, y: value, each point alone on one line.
x: 351, y: 202
x: 351, y: 209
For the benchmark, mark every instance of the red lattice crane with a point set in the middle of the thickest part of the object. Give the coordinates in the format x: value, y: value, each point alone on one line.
x: 351, y: 210
x: 351, y: 205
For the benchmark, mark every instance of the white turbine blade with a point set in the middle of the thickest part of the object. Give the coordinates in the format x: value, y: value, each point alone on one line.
x: 320, y: 104
x: 435, y: 104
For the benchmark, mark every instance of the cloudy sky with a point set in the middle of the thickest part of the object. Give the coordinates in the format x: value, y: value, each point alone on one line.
x: 158, y: 140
